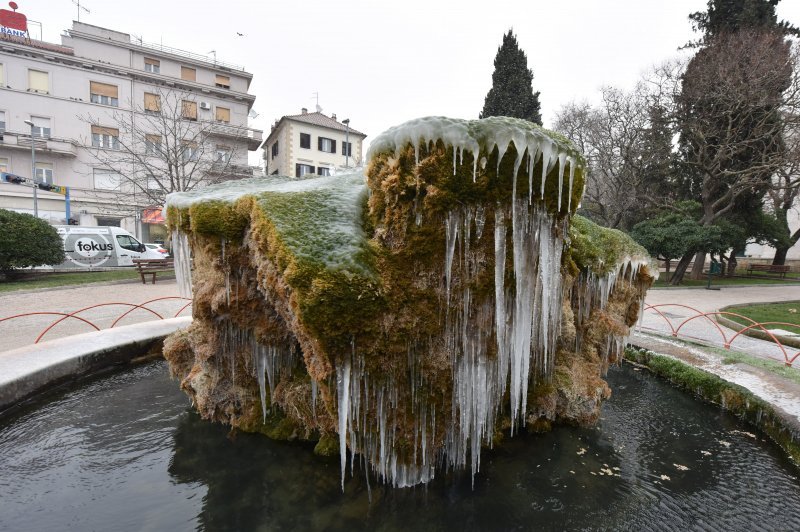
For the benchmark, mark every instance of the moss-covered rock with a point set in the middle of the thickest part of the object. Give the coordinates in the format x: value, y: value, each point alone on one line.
x: 417, y: 311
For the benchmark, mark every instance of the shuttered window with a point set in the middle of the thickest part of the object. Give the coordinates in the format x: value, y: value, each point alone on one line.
x: 223, y: 114
x: 38, y: 81
x: 305, y: 140
x: 326, y: 145
x: 189, y: 74
x: 223, y: 81
x: 303, y: 169
x: 152, y: 103
x: 105, y: 137
x: 189, y: 110
x: 104, y: 93
x: 152, y: 65
x: 190, y: 152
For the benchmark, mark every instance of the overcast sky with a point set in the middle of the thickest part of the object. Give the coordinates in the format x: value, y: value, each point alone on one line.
x: 382, y: 63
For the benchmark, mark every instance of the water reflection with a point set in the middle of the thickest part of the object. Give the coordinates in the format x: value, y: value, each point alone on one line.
x: 125, y: 452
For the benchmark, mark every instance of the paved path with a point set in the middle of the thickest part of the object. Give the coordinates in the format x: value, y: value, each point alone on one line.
x: 713, y: 300
x: 23, y: 331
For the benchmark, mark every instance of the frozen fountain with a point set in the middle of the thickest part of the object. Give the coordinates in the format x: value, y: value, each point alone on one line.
x: 407, y: 316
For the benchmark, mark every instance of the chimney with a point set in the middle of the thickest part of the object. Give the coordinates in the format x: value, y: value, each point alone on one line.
x: 333, y: 116
x: 304, y: 111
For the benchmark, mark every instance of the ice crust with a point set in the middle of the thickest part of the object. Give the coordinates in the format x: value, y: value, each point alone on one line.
x: 474, y: 136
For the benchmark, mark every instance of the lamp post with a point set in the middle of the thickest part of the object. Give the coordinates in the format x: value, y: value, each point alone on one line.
x: 346, y: 123
x: 33, y: 173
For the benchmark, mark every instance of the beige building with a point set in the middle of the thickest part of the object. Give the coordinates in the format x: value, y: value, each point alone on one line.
x: 311, y: 143
x: 95, y: 102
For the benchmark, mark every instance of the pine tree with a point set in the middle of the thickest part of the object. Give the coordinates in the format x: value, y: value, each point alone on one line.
x: 512, y: 91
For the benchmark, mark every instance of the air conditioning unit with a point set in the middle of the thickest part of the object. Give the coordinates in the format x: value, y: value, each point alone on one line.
x: 205, y: 105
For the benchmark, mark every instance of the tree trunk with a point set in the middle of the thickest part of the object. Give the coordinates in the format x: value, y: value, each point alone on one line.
x: 680, y: 270
x: 699, y: 262
x: 667, y: 263
x: 732, y: 264
x: 780, y: 256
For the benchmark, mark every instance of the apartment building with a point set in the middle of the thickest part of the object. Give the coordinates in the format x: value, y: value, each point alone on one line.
x: 91, y: 107
x: 311, y: 143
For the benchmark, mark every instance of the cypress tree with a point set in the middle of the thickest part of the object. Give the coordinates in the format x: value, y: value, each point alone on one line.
x: 512, y: 90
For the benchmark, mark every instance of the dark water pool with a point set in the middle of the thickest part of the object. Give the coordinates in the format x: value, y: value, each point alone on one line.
x: 125, y: 452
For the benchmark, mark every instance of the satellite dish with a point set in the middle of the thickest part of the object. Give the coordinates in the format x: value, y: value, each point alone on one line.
x: 13, y: 5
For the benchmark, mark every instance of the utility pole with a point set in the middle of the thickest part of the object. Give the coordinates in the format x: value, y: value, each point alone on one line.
x: 33, y: 173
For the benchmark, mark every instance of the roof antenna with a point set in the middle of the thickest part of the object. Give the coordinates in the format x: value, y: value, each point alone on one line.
x: 80, y: 8
x: 319, y: 109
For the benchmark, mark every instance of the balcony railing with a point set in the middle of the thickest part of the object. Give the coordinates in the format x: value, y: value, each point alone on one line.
x: 51, y: 144
x: 253, y: 136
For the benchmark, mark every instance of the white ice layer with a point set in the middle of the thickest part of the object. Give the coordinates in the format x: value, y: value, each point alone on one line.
x: 487, y: 134
x: 183, y: 263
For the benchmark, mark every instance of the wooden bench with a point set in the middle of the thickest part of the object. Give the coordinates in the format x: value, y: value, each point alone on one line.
x: 152, y: 267
x: 769, y: 268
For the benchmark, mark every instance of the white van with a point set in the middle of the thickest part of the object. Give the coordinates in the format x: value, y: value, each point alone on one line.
x: 100, y: 247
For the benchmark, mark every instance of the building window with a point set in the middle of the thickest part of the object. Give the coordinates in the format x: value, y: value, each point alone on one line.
x: 305, y: 140
x: 44, y: 173
x: 274, y: 173
x: 321, y: 170
x: 189, y: 74
x: 275, y: 149
x: 190, y: 152
x: 223, y: 115
x: 347, y: 149
x: 2, y: 122
x: 4, y: 164
x: 107, y: 180
x: 152, y: 144
x: 41, y: 127
x: 103, y: 93
x: 152, y: 103
x: 222, y: 155
x: 326, y: 145
x: 105, y: 137
x: 189, y: 110
x: 152, y: 65
x: 129, y: 243
x: 38, y: 81
x: 2, y: 76
x: 303, y: 169
x: 223, y: 81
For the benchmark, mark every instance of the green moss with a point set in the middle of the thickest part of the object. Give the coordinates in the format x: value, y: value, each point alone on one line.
x: 601, y: 249
x: 732, y: 397
x: 328, y: 445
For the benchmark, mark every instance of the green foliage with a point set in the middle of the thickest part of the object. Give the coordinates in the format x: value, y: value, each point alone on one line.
x: 733, y: 15
x: 671, y: 235
x: 512, y: 90
x: 27, y: 241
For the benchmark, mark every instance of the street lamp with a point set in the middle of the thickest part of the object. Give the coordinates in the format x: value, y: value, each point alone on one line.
x: 346, y: 123
x: 33, y: 172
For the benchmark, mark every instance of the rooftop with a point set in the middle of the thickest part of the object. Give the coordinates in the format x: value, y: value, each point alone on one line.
x: 319, y: 119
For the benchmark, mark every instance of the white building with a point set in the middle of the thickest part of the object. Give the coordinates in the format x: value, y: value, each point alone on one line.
x: 78, y: 93
x: 311, y: 143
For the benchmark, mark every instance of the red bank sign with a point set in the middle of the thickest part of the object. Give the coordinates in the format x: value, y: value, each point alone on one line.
x: 13, y: 23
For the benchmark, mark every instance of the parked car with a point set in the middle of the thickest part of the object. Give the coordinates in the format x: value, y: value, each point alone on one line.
x: 158, y: 248
x: 100, y: 247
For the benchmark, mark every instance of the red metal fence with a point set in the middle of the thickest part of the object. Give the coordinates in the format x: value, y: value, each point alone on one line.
x: 727, y: 336
x: 64, y: 316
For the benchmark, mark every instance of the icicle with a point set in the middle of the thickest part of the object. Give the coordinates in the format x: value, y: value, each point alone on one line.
x: 343, y: 389
x: 261, y: 362
x: 183, y: 263
x: 562, y: 157
x: 451, y: 233
x: 547, y: 155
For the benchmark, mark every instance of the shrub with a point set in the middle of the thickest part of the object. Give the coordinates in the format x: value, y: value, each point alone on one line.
x: 27, y: 241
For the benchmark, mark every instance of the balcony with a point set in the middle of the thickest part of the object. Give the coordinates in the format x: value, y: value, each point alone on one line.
x: 253, y: 136
x: 47, y: 145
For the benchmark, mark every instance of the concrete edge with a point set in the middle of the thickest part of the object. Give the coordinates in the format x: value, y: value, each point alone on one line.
x: 30, y: 370
x: 755, y: 333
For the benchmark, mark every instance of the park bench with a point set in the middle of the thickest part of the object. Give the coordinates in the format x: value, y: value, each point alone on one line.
x: 769, y: 268
x: 152, y: 267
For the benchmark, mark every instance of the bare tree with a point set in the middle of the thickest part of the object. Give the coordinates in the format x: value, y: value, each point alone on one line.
x: 618, y: 139
x: 157, y: 148
x: 740, y: 101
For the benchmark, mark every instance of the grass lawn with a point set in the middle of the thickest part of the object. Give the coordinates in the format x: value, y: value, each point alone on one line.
x: 724, y: 281
x: 50, y: 280
x: 770, y: 312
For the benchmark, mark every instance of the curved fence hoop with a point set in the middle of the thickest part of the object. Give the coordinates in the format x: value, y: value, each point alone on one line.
x: 788, y: 360
x: 63, y: 314
x: 85, y: 309
x: 144, y: 306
